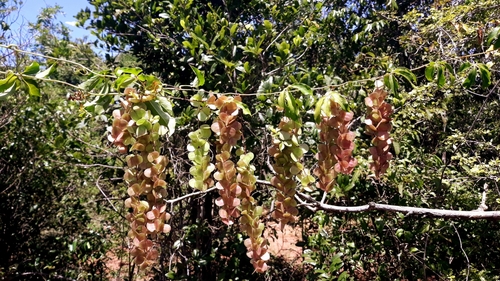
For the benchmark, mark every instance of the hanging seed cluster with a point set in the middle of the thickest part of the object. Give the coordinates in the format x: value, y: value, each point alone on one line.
x: 202, y: 168
x: 136, y: 130
x: 250, y: 222
x: 337, y: 143
x: 237, y: 182
x: 378, y: 125
x: 228, y: 129
x: 287, y: 153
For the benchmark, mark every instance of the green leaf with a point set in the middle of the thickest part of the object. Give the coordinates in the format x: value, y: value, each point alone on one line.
x: 497, y: 44
x: 450, y: 72
x: 396, y: 146
x: 90, y: 83
x: 492, y: 35
x: 471, y: 78
x: 46, y: 72
x: 344, y: 275
x: 391, y: 83
x: 464, y: 66
x: 485, y: 75
x: 281, y: 100
x: 165, y: 120
x: 291, y: 108
x: 407, y: 74
x: 200, y: 77
x: 33, y: 68
x: 317, y: 110
x: 429, y: 72
x: 7, y: 85
x: 233, y: 29
x: 200, y: 39
x: 243, y: 107
x: 33, y: 89
x: 4, y: 93
x: 266, y: 85
x: 440, y: 76
x: 268, y: 24
x: 130, y: 70
x: 124, y: 81
x: 306, y: 90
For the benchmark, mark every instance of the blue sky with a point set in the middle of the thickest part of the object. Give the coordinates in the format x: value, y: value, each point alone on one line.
x: 70, y: 8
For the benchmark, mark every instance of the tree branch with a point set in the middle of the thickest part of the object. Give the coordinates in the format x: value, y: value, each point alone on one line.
x: 171, y: 201
x: 314, y: 206
x: 434, y: 213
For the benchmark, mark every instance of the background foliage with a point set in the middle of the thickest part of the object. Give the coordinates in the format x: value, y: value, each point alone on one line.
x: 438, y: 60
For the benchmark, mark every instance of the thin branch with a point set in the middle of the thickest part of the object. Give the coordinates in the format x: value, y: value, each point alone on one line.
x: 107, y: 198
x: 98, y: 165
x: 16, y: 49
x: 463, y: 251
x: 427, y: 212
x: 172, y: 201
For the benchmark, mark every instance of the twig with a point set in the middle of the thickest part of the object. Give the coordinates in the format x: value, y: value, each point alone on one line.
x: 107, y: 198
x: 465, y: 254
x: 172, y: 201
x: 482, y: 206
x: 98, y: 165
x: 15, y: 48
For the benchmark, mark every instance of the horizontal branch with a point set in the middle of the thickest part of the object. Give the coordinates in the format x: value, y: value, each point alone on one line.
x: 425, y: 212
x: 171, y: 201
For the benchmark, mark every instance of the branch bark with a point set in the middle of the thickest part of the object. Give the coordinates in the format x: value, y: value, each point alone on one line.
x: 315, y: 205
x: 416, y: 211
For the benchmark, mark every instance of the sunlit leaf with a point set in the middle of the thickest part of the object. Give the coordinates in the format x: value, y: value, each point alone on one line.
x: 33, y: 68
x: 200, y: 77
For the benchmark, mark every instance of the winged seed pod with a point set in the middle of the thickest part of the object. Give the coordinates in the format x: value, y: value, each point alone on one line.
x: 378, y: 125
x: 337, y: 143
x: 287, y: 154
x: 227, y: 128
x: 136, y: 131
x: 237, y: 182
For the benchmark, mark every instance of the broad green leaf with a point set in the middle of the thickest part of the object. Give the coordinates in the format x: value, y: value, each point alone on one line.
x: 124, y: 81
x: 497, y: 44
x: 268, y: 24
x: 440, y: 76
x: 266, y: 85
x: 485, y: 75
x: 243, y: 107
x: 464, y: 66
x: 450, y: 72
x: 33, y: 68
x: 317, y: 110
x: 130, y: 70
x: 291, y: 108
x: 281, y: 100
x: 471, y: 78
x: 492, y: 35
x: 46, y: 72
x: 200, y: 77
x: 165, y: 120
x: 5, y: 92
x: 306, y: 90
x: 33, y: 89
x: 407, y: 74
x: 90, y: 83
x: 233, y: 29
x: 430, y: 71
x: 7, y: 85
x: 391, y: 83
